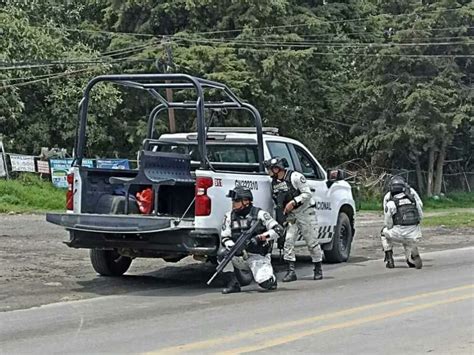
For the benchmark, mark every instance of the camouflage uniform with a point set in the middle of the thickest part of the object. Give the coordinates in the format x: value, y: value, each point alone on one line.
x: 394, y: 231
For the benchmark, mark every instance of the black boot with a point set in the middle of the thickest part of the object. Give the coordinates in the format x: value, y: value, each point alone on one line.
x: 389, y: 262
x: 233, y: 285
x: 318, y: 271
x: 417, y: 261
x: 291, y: 274
x: 410, y: 264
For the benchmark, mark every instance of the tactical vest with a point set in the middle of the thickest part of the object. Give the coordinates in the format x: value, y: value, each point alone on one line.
x: 240, y: 224
x: 407, y: 213
x: 283, y: 192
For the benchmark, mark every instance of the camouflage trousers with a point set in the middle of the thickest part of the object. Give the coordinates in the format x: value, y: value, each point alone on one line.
x: 304, y: 223
x: 408, y: 236
x: 259, y: 265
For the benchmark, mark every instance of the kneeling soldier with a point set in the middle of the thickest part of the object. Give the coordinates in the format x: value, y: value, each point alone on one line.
x: 256, y: 261
x: 402, y: 215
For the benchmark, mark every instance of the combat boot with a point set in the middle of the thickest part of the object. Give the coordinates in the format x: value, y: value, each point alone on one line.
x: 291, y: 274
x: 233, y: 285
x: 318, y: 271
x: 417, y: 261
x: 389, y: 262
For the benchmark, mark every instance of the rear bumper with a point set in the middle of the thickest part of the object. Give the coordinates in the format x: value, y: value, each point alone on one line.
x: 144, y: 234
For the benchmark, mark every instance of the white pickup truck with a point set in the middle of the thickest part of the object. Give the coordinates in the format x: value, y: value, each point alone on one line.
x: 190, y: 174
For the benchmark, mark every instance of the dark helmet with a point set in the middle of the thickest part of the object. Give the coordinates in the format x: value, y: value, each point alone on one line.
x: 276, y: 162
x: 397, y: 184
x: 240, y: 193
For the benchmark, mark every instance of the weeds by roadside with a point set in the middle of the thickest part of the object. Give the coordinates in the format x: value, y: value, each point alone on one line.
x: 29, y: 193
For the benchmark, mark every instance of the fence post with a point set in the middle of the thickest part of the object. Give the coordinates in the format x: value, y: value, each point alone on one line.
x: 4, y: 159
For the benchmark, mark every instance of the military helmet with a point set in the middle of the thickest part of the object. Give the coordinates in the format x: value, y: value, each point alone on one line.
x: 276, y: 162
x: 397, y: 184
x: 240, y: 193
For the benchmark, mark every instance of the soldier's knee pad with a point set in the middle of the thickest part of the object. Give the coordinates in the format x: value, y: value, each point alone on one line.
x: 243, y: 276
x: 268, y: 284
x: 221, y: 253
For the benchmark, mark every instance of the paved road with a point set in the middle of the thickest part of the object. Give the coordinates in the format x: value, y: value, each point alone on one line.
x: 358, y: 308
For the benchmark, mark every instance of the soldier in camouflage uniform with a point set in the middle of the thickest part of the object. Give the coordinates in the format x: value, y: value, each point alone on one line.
x: 255, y: 263
x: 295, y: 208
x: 402, y: 215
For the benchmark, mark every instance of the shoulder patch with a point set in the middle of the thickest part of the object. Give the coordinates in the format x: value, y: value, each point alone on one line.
x: 386, y: 209
x: 302, y: 179
x: 266, y: 216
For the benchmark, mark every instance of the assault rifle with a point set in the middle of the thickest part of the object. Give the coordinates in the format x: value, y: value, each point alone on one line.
x: 239, y: 246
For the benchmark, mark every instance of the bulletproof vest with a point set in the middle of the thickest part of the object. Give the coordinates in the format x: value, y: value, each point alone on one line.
x: 407, y: 213
x: 240, y: 224
x: 283, y: 192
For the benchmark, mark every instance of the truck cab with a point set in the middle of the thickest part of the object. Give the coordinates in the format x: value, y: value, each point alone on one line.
x: 190, y: 174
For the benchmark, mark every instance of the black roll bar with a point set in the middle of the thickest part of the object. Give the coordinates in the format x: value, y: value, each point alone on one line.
x: 151, y: 83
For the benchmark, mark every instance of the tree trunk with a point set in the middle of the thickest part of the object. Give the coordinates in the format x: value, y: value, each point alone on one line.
x: 438, y: 181
x: 419, y: 176
x: 431, y: 158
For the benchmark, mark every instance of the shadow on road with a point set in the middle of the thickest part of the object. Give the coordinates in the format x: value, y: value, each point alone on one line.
x: 190, y: 277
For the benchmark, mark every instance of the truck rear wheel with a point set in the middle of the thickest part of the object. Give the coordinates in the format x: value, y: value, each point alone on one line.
x: 342, y: 240
x: 109, y: 262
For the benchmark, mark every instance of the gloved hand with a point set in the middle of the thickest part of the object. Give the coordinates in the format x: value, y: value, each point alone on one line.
x: 254, y: 241
x: 229, y: 244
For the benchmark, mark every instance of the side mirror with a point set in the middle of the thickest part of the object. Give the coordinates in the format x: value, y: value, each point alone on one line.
x: 336, y: 174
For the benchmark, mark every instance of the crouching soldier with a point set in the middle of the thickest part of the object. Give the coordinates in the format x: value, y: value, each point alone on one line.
x: 402, y: 215
x: 255, y: 263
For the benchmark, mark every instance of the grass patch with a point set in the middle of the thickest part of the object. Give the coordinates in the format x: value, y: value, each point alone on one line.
x: 29, y: 193
x: 453, y: 200
x: 455, y: 219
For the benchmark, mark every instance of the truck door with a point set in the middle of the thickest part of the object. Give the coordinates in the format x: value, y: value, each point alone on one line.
x: 306, y: 164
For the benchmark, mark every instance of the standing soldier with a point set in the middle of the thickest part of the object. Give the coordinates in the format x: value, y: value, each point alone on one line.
x: 294, y: 202
x: 257, y: 254
x: 402, y: 215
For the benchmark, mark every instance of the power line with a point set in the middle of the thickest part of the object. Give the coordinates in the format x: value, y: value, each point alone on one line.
x: 341, y: 41
x: 353, y: 54
x: 128, y: 49
x: 116, y: 33
x: 317, y: 20
x: 51, y: 77
x: 305, y: 44
x: 45, y: 64
x: 396, y: 32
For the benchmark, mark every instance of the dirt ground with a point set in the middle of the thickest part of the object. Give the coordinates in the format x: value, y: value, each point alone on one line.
x: 38, y: 269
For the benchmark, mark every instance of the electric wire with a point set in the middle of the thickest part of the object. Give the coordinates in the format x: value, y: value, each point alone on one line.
x: 304, y: 44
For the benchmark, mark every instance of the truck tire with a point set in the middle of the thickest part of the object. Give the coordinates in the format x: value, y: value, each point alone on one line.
x: 342, y: 240
x: 109, y: 262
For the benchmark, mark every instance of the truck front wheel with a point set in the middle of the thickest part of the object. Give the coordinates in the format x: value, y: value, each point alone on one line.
x: 342, y: 240
x: 109, y: 262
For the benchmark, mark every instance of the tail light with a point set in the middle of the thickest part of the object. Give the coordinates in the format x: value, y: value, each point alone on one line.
x: 203, y: 202
x: 70, y: 192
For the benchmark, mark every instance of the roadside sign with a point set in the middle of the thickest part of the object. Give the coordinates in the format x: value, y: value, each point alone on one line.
x: 43, y: 166
x: 22, y: 162
x: 60, y: 169
x: 113, y: 163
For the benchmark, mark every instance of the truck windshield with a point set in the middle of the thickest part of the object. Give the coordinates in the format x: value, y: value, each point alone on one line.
x: 216, y: 153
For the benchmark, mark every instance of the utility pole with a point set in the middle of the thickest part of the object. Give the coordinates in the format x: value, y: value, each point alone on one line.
x: 168, y: 68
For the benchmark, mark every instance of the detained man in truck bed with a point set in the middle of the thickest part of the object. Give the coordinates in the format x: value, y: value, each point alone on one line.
x: 256, y: 259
